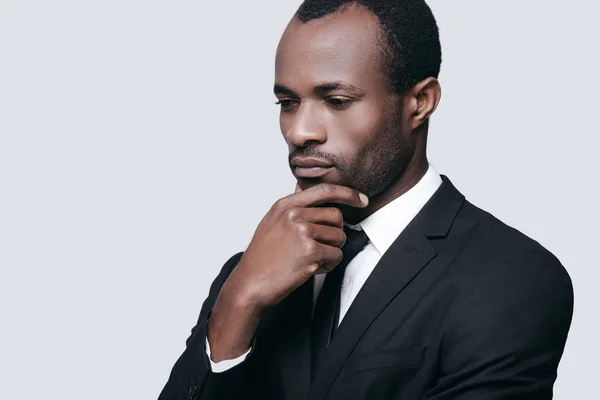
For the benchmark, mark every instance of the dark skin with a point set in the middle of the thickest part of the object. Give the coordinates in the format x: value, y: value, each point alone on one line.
x: 336, y: 106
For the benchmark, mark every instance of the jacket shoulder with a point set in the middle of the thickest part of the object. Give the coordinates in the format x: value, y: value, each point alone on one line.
x: 490, y: 246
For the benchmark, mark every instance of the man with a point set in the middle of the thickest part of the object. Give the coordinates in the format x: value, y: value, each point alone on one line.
x: 376, y: 279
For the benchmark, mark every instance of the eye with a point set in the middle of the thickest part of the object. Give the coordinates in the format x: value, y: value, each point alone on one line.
x: 339, y: 103
x: 286, y: 104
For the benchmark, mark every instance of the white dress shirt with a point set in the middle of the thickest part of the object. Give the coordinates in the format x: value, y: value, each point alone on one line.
x: 382, y: 227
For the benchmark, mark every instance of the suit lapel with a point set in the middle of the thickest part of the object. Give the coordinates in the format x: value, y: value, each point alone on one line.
x: 412, y: 252
x: 407, y: 256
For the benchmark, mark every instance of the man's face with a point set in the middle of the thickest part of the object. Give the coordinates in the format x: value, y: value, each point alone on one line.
x: 337, y: 111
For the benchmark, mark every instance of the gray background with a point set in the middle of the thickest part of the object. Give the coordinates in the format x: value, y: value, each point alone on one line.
x: 140, y: 148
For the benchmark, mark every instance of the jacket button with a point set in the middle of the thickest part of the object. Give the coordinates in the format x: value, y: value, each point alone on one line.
x: 191, y: 390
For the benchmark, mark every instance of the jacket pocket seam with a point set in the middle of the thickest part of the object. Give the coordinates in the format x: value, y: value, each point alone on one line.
x: 409, y: 357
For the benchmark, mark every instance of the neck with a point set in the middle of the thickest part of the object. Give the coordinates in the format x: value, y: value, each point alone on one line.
x: 409, y: 178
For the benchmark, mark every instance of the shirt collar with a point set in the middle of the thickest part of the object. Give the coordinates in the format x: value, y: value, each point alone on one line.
x: 385, y: 225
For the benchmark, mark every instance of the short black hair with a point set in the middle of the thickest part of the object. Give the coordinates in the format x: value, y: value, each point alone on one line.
x: 411, y: 36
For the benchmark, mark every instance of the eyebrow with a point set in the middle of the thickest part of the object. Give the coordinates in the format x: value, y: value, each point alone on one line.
x: 280, y: 89
x: 342, y: 86
x: 322, y: 89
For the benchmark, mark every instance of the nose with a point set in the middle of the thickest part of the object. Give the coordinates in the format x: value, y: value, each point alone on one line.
x: 306, y: 126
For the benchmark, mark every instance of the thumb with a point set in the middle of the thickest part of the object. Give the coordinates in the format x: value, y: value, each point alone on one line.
x: 298, y: 188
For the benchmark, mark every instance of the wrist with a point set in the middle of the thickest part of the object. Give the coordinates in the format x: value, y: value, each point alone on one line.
x: 231, y: 328
x: 243, y: 299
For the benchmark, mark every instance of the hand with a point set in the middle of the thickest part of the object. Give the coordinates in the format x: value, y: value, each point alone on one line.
x: 295, y: 240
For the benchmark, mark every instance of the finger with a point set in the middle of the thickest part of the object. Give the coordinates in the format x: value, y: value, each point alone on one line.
x: 328, y: 258
x: 321, y: 215
x: 328, y: 235
x: 298, y: 188
x: 329, y: 193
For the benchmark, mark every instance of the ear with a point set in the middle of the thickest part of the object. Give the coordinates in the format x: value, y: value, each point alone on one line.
x: 424, y: 99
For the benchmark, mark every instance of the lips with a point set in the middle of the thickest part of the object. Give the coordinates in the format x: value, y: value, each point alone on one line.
x: 310, y: 163
x: 310, y: 167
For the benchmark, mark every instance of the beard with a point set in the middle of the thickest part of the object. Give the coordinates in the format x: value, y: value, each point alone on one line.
x: 375, y: 167
x: 378, y: 165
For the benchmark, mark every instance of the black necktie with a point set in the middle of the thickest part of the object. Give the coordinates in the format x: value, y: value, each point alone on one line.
x: 327, y: 307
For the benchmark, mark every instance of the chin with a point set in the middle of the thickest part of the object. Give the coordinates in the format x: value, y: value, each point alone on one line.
x: 306, y: 183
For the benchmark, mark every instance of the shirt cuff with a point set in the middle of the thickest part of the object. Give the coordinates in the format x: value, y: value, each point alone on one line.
x: 224, y: 365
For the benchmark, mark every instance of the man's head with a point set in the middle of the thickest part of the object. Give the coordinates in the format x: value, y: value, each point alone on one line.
x: 357, y: 83
x: 409, y: 41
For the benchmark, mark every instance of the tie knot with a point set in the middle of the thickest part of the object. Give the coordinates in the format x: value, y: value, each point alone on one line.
x: 356, y: 240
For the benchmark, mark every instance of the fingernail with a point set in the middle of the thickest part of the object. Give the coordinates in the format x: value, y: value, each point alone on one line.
x: 364, y: 198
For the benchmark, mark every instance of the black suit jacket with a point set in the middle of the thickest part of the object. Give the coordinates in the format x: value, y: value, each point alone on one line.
x: 461, y: 306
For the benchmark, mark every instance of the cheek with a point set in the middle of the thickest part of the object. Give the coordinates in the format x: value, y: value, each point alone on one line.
x: 355, y: 128
x: 284, y: 123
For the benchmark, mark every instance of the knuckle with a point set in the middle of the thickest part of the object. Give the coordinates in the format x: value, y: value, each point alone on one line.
x: 312, y: 269
x: 310, y: 247
x: 303, y: 228
x: 292, y: 214
x: 279, y: 204
x: 331, y: 260
x: 352, y: 194
x: 342, y: 238
x: 339, y: 256
x: 337, y: 215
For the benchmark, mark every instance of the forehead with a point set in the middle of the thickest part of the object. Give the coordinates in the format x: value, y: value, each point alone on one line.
x: 340, y: 46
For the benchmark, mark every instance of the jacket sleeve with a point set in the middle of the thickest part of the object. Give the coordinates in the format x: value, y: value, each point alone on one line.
x: 191, y: 377
x: 507, y: 338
